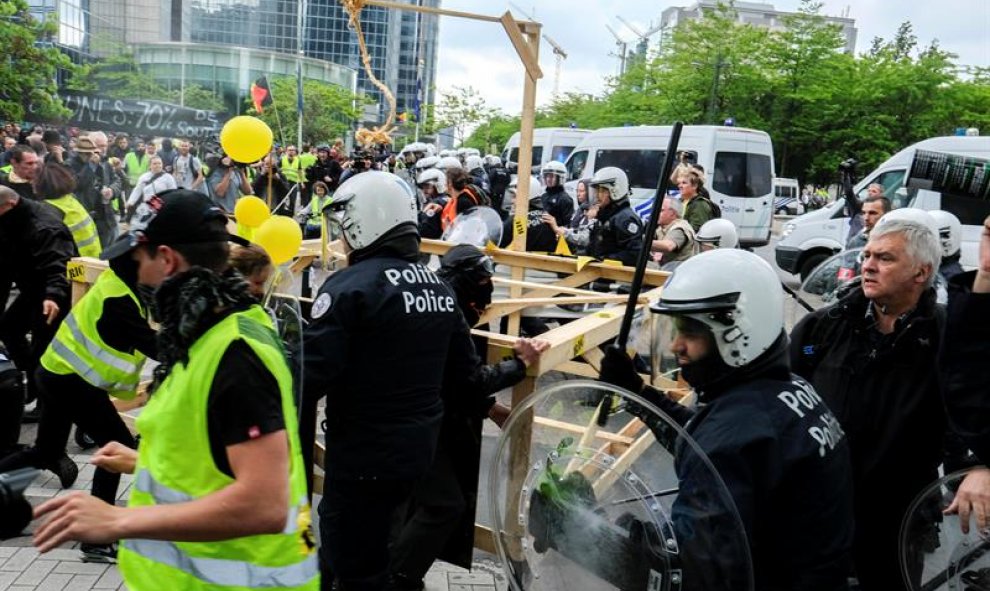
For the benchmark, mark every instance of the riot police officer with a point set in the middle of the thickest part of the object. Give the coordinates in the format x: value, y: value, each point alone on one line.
x: 619, y: 232
x: 774, y: 442
x: 385, y: 334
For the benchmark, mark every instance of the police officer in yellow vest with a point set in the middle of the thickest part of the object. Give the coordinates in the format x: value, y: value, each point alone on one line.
x: 54, y: 185
x: 219, y: 496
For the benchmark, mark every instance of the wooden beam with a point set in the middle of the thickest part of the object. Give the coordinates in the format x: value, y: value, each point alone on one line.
x: 484, y: 539
x: 440, y: 11
x: 632, y: 454
x: 572, y: 428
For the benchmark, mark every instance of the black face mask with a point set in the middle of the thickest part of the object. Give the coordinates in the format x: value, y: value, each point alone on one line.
x: 147, y: 293
x: 474, y: 299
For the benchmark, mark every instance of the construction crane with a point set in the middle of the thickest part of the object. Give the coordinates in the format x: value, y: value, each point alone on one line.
x: 643, y: 37
x: 622, y: 46
x: 558, y: 52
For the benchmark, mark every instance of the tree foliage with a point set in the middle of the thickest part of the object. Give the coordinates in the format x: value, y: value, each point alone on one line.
x: 461, y: 109
x: 819, y: 103
x: 28, y: 77
x: 328, y: 111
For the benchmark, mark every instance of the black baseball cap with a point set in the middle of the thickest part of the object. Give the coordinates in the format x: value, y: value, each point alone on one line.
x: 171, y: 218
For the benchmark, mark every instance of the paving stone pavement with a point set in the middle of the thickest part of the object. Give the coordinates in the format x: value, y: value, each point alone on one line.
x: 23, y: 569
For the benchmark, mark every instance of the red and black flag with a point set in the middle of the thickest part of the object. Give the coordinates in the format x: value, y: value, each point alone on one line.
x: 261, y: 94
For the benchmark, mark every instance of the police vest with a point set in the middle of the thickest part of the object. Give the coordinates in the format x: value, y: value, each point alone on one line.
x: 81, y: 226
x: 316, y: 209
x: 175, y: 465
x: 136, y: 166
x: 78, y: 348
x: 293, y: 171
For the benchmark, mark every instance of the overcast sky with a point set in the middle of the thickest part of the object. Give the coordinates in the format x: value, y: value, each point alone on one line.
x: 479, y: 54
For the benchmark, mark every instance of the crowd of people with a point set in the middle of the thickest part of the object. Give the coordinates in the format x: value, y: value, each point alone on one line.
x: 822, y: 436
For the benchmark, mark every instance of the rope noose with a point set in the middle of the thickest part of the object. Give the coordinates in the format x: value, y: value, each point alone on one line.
x: 381, y: 134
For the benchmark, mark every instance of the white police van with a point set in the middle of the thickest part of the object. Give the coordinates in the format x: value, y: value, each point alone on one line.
x: 738, y: 165
x: 549, y: 143
x: 808, y: 240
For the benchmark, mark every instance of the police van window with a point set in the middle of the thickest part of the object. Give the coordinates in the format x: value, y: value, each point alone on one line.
x: 783, y: 191
x: 970, y: 211
x: 537, y: 155
x: 741, y: 174
x: 892, y: 180
x: 641, y: 166
x: 575, y: 166
x: 560, y: 153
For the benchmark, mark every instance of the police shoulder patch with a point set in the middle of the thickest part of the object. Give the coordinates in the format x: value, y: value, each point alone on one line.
x: 633, y: 227
x: 321, y: 306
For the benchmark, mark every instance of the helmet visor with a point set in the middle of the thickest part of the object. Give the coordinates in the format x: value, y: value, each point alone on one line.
x: 333, y: 221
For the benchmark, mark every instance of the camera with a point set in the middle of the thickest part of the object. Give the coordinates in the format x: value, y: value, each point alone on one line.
x: 848, y: 165
x: 15, y: 511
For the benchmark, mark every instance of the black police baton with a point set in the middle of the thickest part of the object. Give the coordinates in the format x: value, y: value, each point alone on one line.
x: 644, y: 254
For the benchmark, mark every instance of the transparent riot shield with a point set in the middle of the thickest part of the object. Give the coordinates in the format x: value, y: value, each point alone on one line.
x: 288, y: 319
x: 935, y: 553
x: 477, y: 226
x: 634, y: 505
x: 832, y: 277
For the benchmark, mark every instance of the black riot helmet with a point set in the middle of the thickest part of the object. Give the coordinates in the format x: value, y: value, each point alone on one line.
x: 469, y: 272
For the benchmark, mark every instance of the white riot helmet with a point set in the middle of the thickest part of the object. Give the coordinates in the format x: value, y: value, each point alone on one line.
x: 473, y: 163
x: 910, y: 214
x: 949, y: 232
x: 535, y: 190
x: 718, y: 233
x: 556, y: 170
x: 431, y: 150
x: 734, y: 294
x: 493, y: 160
x: 615, y: 180
x: 426, y: 163
x: 448, y: 162
x: 461, y: 154
x: 434, y: 177
x: 369, y: 205
x: 445, y: 153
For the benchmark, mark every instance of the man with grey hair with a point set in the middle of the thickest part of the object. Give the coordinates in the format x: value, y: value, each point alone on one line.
x: 872, y: 358
x: 98, y: 186
x: 674, y: 241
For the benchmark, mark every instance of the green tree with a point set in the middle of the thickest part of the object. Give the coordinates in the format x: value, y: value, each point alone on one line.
x: 461, y: 109
x: 197, y: 97
x: 27, y: 80
x: 328, y: 110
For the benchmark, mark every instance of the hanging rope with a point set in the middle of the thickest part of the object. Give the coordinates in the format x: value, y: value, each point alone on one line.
x: 378, y: 135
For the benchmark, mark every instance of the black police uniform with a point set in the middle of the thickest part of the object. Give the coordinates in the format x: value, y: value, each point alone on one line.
x: 785, y: 460
x: 540, y: 237
x: 559, y: 204
x: 618, y: 234
x: 385, y: 335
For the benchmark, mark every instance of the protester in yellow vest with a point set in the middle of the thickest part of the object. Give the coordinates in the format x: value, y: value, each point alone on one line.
x: 54, y: 185
x: 136, y: 164
x: 219, y: 497
x: 292, y: 166
x: 99, y: 349
x: 312, y: 214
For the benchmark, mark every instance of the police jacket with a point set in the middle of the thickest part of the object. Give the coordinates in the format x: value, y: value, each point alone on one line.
x: 385, y: 335
x: 559, y: 204
x: 883, y: 389
x: 963, y: 365
x: 35, y: 247
x: 618, y: 234
x: 784, y: 459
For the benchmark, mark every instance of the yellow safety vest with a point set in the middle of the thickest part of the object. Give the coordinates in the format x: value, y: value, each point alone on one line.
x: 136, y: 166
x: 292, y: 172
x: 316, y: 209
x: 79, y: 349
x: 81, y: 226
x: 175, y: 465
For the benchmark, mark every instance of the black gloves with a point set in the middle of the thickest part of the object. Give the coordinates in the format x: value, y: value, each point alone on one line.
x: 618, y: 370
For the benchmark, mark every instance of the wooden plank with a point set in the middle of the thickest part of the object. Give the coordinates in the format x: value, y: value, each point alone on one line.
x: 586, y: 438
x: 572, y: 428
x: 637, y: 449
x: 440, y: 11
x: 579, y: 369
x: 484, y: 539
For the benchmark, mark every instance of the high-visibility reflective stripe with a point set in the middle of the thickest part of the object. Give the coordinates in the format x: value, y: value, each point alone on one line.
x: 97, y: 351
x: 88, y: 373
x: 228, y: 573
x: 87, y: 242
x: 80, y: 225
x: 165, y: 495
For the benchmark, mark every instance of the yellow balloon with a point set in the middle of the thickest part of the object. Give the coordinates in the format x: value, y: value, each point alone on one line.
x: 281, y: 238
x: 246, y: 139
x: 251, y: 211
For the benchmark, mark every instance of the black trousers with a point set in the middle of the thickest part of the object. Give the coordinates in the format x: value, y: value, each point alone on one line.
x: 356, y: 518
x: 69, y: 399
x: 24, y: 316
x: 438, y: 506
